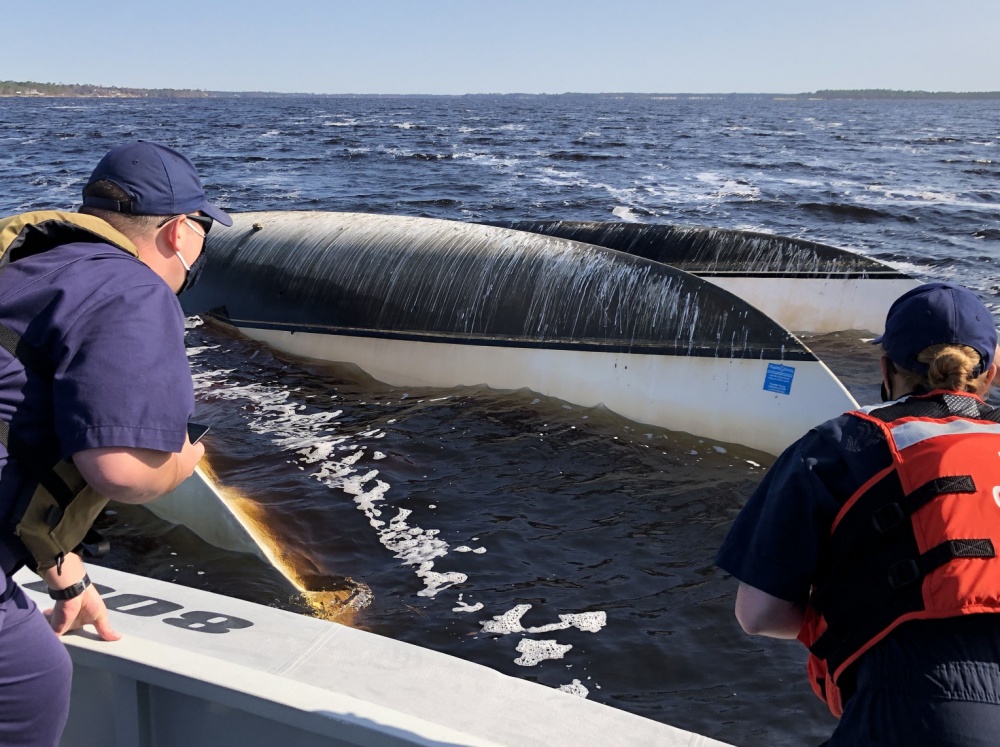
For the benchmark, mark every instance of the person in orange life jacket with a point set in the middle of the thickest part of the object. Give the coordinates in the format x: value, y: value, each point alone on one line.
x: 873, y: 538
x: 92, y: 295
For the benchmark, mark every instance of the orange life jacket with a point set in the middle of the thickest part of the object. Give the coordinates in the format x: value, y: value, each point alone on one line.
x: 916, y: 541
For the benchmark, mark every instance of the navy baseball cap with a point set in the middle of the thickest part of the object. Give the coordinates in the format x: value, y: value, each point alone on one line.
x: 158, y: 179
x: 935, y: 314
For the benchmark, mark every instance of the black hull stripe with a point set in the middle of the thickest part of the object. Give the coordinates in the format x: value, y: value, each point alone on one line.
x: 610, y: 346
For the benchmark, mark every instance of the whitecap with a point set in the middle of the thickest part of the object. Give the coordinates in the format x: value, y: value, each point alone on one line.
x: 534, y: 652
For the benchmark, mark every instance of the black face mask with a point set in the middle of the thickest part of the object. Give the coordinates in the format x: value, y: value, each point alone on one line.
x: 890, y: 371
x: 194, y: 273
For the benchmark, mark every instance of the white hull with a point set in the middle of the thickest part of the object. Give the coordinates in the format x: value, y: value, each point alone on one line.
x: 217, y: 522
x: 723, y: 399
x: 819, y: 305
x: 196, y: 669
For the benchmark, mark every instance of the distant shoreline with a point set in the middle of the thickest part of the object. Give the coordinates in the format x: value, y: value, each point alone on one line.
x: 29, y: 89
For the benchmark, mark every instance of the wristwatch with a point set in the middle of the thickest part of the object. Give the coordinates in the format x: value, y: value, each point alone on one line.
x: 71, y: 592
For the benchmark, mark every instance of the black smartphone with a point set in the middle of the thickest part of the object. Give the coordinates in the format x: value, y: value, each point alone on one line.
x: 196, y: 431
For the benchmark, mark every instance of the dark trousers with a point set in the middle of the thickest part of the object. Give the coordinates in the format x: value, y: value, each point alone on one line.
x: 35, y: 674
x: 885, y: 717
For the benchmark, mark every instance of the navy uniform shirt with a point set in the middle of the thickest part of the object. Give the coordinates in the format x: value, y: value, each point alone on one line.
x: 775, y: 541
x: 114, y: 332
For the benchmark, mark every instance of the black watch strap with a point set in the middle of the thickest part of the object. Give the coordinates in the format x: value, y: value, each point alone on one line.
x: 71, y: 592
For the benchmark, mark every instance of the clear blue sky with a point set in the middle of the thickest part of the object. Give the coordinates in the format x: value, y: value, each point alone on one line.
x: 484, y: 46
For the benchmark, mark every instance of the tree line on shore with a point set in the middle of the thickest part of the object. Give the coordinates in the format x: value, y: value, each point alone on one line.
x: 78, y: 90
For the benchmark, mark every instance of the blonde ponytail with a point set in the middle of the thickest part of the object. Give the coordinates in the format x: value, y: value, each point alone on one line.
x: 957, y: 368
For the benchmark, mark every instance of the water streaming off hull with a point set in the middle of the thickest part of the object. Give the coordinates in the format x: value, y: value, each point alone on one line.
x: 707, y: 251
x: 392, y: 274
x: 802, y: 285
x: 424, y: 302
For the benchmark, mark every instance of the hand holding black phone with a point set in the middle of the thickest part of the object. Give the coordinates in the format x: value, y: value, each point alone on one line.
x: 196, y: 431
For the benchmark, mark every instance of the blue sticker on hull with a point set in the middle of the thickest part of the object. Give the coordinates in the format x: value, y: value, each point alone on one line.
x: 779, y: 378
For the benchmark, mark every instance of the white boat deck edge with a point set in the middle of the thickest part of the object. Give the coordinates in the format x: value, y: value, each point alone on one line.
x: 294, y: 681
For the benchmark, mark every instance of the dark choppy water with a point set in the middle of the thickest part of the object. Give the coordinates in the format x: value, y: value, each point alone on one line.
x: 569, y: 525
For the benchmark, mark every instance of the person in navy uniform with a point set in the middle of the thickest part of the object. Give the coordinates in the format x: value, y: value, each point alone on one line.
x: 873, y: 539
x: 96, y: 390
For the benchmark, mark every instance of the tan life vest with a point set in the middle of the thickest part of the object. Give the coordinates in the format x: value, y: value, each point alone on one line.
x: 62, y: 508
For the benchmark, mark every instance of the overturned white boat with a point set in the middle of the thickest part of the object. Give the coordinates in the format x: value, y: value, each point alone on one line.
x: 423, y: 302
x: 803, y: 285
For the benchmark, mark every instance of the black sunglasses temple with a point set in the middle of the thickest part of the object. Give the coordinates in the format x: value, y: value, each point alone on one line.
x: 202, y: 220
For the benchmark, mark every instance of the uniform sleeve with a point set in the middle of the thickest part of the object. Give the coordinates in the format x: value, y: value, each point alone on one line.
x: 124, y: 378
x: 774, y: 543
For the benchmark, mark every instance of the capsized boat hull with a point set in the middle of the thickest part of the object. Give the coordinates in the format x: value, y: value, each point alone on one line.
x: 416, y: 301
x: 803, y: 285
